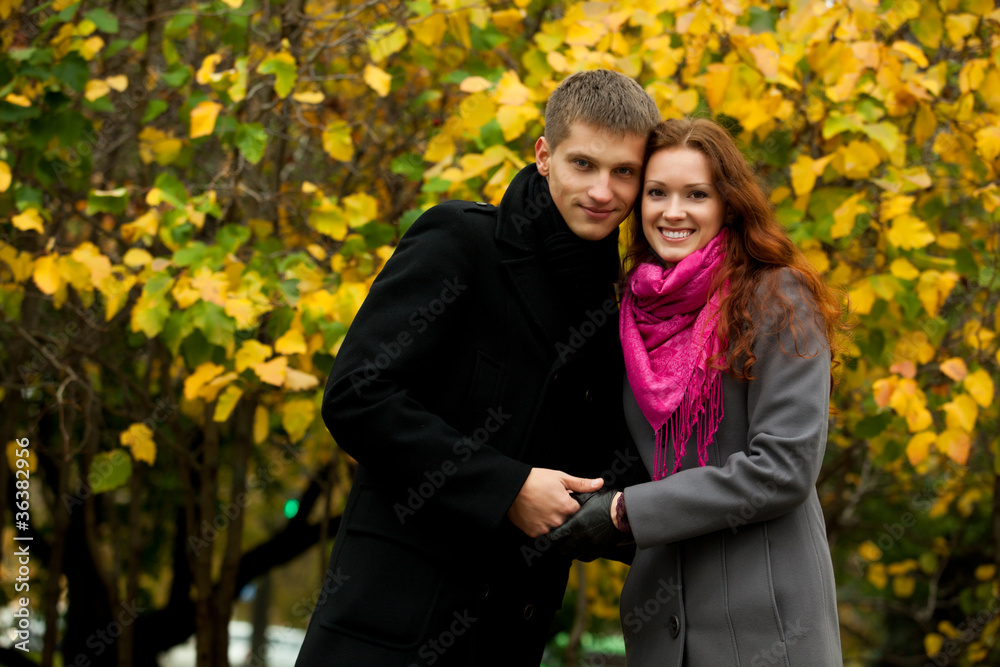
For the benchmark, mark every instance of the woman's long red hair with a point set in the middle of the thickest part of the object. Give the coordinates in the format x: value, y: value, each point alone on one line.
x: 756, y: 248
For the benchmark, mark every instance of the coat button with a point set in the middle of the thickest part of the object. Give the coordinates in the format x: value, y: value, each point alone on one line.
x: 485, y: 592
x: 529, y: 611
x: 675, y: 626
x: 481, y: 203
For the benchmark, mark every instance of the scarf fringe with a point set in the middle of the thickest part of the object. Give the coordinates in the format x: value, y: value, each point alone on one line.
x: 701, y: 414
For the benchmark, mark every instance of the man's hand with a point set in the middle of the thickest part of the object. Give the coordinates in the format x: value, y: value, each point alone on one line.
x: 544, y: 501
x: 591, y: 532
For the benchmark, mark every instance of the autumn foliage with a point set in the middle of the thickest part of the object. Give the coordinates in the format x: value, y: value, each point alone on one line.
x: 196, y: 196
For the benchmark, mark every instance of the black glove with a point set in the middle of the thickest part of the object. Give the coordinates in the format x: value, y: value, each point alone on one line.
x: 590, y: 533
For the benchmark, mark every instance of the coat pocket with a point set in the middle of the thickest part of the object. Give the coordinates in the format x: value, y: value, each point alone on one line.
x: 390, y: 588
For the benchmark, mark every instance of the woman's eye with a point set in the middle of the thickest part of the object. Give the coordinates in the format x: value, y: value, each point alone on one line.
x: 655, y: 193
x: 698, y: 194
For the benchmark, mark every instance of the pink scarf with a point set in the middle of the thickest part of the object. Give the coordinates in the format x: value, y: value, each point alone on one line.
x: 668, y: 335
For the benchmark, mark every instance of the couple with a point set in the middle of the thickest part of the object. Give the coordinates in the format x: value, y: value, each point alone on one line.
x: 500, y: 431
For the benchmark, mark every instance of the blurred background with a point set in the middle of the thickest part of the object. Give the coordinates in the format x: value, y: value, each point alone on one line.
x: 196, y: 196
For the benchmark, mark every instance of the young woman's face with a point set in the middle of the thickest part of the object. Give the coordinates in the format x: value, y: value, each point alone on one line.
x: 681, y: 208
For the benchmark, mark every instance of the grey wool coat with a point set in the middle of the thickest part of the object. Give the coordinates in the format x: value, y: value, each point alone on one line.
x: 733, y: 565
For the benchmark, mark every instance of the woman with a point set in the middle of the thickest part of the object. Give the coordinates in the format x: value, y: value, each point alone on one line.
x: 726, y: 332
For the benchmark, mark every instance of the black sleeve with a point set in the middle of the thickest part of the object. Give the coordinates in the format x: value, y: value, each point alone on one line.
x: 401, y: 343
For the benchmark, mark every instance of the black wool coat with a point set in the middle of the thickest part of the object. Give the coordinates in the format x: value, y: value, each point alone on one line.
x: 466, y: 366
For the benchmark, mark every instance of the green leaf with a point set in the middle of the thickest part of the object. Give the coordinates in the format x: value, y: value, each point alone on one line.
x: 232, y: 236
x: 153, y: 110
x: 116, y: 47
x: 104, y: 20
x: 251, y: 139
x: 872, y: 425
x: 177, y: 327
x: 285, y: 72
x: 217, y: 327
x: 177, y: 25
x: 172, y: 189
x: 72, y: 70
x: 762, y: 20
x: 407, y: 219
x: 109, y: 471
x: 107, y: 201
x: 176, y: 75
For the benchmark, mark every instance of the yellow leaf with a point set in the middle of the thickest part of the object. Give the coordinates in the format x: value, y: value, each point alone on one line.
x: 29, y: 220
x: 511, y: 91
x: 933, y: 643
x: 585, y: 33
x: 845, y: 214
x: 337, y: 141
x: 858, y: 159
x: 212, y: 287
x: 869, y: 551
x: 979, y: 384
x: 988, y: 142
x: 224, y: 407
x: 986, y: 572
x: 507, y: 19
x: 949, y: 240
x: 118, y: 82
x: 12, y: 456
x: 933, y: 289
x: 309, y: 97
x: 919, y: 419
x: 206, y: 73
x: 385, y: 41
x: 136, y: 258
x: 925, y: 124
x: 716, y: 82
x: 91, y: 48
x: 291, y: 343
x: 201, y: 376
x: 46, y: 274
x: 378, y: 79
x: 359, y: 209
x: 909, y: 233
x: 862, y: 298
x: 803, y: 175
x: 918, y: 448
x: 817, y: 257
x: 911, y: 51
x: 955, y: 369
x: 261, y: 424
x: 296, y: 380
x: 203, y: 118
x: 213, y: 387
x: 474, y: 84
x: 17, y: 100
x: 961, y: 413
x: 876, y: 575
x: 901, y: 268
x: 955, y: 445
x: 766, y: 61
x: 296, y: 416
x: 903, y: 586
x: 960, y: 26
x: 272, y: 372
x: 235, y: 4
x: 139, y: 439
x: 440, y: 147
x: 5, y: 178
x: 242, y: 310
x: 513, y: 120
x: 476, y: 110
x: 96, y: 89
x: 430, y: 29
x: 251, y: 353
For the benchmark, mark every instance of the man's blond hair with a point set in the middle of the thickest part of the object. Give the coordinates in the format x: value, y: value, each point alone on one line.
x: 603, y: 98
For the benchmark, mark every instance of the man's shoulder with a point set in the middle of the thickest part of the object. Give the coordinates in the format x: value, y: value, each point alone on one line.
x: 475, y: 210
x: 458, y: 218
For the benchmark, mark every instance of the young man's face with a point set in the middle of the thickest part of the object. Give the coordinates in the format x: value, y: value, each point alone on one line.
x: 593, y: 177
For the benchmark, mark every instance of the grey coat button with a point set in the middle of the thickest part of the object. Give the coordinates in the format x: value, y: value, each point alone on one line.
x: 675, y: 626
x: 485, y: 592
x: 481, y: 203
x: 529, y: 611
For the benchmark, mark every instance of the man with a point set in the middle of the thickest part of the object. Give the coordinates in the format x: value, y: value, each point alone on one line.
x: 478, y: 386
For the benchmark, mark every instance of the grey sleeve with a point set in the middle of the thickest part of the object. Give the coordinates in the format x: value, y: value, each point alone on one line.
x: 787, y: 411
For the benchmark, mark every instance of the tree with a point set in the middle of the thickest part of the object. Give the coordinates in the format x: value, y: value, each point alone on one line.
x: 195, y: 197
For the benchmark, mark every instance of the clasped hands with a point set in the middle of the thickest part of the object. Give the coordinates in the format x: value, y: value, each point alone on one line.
x: 542, y: 507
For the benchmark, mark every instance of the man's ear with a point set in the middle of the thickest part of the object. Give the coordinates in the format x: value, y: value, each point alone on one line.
x: 542, y: 156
